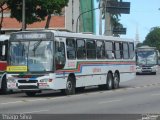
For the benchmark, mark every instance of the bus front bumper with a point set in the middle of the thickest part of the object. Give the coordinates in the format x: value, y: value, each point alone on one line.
x: 146, y: 69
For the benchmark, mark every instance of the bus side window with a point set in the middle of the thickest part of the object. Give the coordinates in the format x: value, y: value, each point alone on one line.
x: 81, y: 49
x: 131, y: 50
x: 109, y: 50
x: 125, y: 51
x: 1, y: 44
x: 71, y: 52
x: 117, y: 50
x: 3, y: 49
x: 100, y: 49
x: 59, y: 55
x: 91, y: 49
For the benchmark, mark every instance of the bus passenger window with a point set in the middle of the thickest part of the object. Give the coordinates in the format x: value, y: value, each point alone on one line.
x: 131, y: 50
x: 71, y: 52
x: 59, y: 55
x: 125, y: 51
x: 109, y: 50
x: 91, y: 49
x: 118, y: 51
x: 81, y: 50
x: 100, y: 49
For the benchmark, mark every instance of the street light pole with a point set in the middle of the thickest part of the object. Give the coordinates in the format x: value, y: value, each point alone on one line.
x: 23, y: 15
x: 82, y: 14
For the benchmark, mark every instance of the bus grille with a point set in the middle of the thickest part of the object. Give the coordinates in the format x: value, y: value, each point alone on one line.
x: 27, y: 81
x: 28, y: 87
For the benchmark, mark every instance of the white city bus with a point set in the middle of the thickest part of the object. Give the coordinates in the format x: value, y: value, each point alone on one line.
x: 58, y: 60
x: 3, y: 62
x: 147, y: 60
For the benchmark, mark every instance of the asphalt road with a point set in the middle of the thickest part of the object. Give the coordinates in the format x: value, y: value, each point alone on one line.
x: 139, y: 96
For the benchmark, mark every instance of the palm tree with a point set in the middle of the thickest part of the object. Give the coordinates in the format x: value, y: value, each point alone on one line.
x: 112, y: 19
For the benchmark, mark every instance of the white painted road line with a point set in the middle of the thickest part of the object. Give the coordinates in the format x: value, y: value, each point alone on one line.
x: 11, y: 102
x: 35, y: 111
x: 156, y: 94
x: 104, y: 102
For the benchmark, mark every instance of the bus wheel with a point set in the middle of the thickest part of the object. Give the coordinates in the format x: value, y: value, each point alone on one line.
x: 30, y: 94
x: 116, y: 80
x: 109, y: 81
x: 70, y: 86
x: 4, y: 86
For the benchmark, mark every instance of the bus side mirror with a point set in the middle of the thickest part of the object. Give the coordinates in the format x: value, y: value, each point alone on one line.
x: 3, y: 50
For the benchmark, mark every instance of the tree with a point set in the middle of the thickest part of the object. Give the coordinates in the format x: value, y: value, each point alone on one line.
x: 2, y: 9
x: 153, y: 38
x: 115, y: 21
x: 36, y: 10
x: 139, y: 45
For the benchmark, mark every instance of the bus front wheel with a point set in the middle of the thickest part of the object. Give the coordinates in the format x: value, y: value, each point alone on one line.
x: 70, y: 86
x: 4, y: 86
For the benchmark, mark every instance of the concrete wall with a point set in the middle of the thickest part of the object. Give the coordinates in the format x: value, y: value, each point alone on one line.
x: 71, y: 15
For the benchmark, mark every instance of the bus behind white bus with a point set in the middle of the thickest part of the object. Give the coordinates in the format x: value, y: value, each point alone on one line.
x: 59, y: 60
x: 3, y: 62
x: 146, y: 60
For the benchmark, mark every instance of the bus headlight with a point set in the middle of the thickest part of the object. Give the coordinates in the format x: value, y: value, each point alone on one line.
x: 137, y: 67
x: 154, y: 67
x: 11, y: 80
x: 44, y: 80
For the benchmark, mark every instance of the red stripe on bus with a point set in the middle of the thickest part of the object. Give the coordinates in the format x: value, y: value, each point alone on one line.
x: 3, y: 65
x: 92, y: 63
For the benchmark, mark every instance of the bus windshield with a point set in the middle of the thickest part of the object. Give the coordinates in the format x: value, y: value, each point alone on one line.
x: 37, y: 55
x: 146, y: 57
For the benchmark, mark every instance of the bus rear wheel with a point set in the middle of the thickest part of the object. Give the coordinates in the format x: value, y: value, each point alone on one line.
x: 109, y: 84
x: 116, y: 80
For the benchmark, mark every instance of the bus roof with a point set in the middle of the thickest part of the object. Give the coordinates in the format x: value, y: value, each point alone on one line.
x: 146, y: 47
x: 4, y: 37
x: 79, y: 35
x: 89, y: 36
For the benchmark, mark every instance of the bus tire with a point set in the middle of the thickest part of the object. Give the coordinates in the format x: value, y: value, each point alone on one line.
x: 4, y: 86
x: 116, y: 81
x: 70, y: 86
x: 30, y: 94
x: 109, y: 84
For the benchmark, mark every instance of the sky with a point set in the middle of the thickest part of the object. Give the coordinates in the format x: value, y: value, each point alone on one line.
x: 144, y: 14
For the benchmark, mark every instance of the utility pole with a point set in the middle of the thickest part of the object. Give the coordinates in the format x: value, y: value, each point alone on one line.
x: 108, y: 28
x: 77, y: 29
x: 23, y: 15
x: 100, y: 17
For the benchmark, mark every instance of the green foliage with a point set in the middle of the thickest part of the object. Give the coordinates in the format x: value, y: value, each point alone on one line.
x: 139, y: 45
x: 153, y: 38
x: 36, y: 10
x: 115, y: 21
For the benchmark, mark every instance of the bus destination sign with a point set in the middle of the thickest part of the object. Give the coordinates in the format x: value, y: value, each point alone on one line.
x: 31, y: 36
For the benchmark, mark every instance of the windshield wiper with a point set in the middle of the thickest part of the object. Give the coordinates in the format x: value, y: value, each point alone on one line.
x: 36, y: 45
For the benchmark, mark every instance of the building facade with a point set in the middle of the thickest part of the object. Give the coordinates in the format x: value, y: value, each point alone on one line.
x: 68, y: 20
